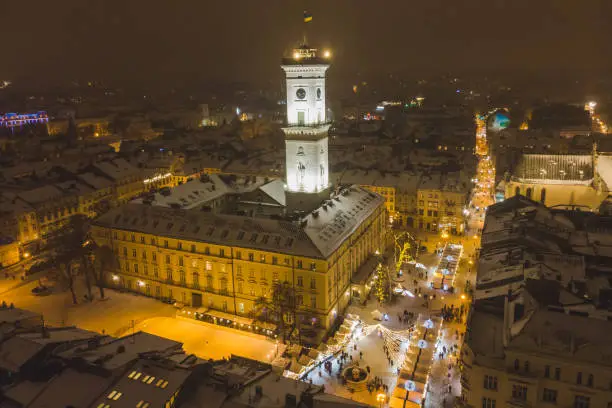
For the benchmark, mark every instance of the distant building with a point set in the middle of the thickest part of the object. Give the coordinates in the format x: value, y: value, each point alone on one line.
x: 562, y: 180
x: 9, y: 252
x: 539, y: 331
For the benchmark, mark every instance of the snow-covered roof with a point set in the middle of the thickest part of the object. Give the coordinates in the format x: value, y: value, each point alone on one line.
x: 332, y: 223
x: 43, y: 194
x: 555, y: 168
x: 95, y: 181
x: 14, y: 315
x: 115, y: 353
x: 318, y: 235
x: 118, y: 169
x: 220, y: 229
x: 276, y: 190
x: 147, y: 381
x: 192, y: 194
x: 70, y: 388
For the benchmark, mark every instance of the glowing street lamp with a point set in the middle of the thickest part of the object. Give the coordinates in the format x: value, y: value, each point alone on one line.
x: 380, y: 398
x: 327, y: 54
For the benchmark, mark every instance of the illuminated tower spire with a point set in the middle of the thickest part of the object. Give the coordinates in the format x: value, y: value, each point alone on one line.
x: 306, y: 143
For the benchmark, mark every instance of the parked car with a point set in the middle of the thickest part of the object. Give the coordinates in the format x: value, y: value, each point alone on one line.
x: 41, y: 291
x: 39, y: 266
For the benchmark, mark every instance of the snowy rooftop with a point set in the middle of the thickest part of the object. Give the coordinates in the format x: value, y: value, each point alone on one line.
x: 567, y: 335
x: 69, y: 388
x: 116, y: 353
x: 14, y: 315
x: 40, y: 195
x: 15, y: 352
x: 95, y: 181
x: 118, y: 169
x: 74, y: 187
x: 191, y: 194
x: 59, y: 335
x: 320, y: 233
x: 276, y: 190
x: 148, y: 381
x: 333, y: 222
x: 555, y: 168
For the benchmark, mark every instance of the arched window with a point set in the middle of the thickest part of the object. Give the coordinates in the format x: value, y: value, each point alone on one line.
x: 590, y: 380
x: 528, y: 194
x: 579, y: 378
x: 543, y: 196
x: 517, y: 191
x: 196, y: 280
x: 516, y: 364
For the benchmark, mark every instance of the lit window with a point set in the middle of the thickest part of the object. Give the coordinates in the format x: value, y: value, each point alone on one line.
x: 146, y: 377
x: 150, y: 380
x: 132, y: 374
x: 159, y: 382
x: 208, y: 266
x: 115, y: 395
x: 165, y: 384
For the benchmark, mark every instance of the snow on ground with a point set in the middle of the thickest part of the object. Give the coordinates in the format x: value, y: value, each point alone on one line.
x: 373, y: 356
x: 114, y: 315
x: 121, y: 313
x: 209, y: 341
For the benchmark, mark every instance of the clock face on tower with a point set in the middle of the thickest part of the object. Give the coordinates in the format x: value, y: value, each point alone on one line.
x: 300, y: 93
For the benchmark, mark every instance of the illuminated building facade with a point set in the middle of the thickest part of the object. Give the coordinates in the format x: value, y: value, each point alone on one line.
x: 562, y: 180
x: 538, y: 333
x: 22, y: 119
x: 228, y: 258
x: 306, y: 142
x: 226, y: 262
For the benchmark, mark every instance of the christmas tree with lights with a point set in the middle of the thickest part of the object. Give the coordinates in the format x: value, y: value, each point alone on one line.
x: 382, y: 284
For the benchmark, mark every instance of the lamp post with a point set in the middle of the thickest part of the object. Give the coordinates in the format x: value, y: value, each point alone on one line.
x: 380, y: 398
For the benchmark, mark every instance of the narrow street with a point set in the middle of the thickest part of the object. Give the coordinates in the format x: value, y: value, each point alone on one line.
x: 444, y: 384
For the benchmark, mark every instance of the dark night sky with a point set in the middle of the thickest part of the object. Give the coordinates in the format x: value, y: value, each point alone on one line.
x: 242, y: 40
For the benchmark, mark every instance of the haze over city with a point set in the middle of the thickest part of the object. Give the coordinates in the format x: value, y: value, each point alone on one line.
x: 306, y: 204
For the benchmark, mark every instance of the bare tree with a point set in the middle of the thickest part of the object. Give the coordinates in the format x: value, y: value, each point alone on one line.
x: 103, y: 259
x: 280, y: 307
x: 72, y: 251
x: 66, y: 267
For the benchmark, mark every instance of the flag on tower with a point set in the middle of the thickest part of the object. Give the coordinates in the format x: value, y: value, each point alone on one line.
x: 307, y: 17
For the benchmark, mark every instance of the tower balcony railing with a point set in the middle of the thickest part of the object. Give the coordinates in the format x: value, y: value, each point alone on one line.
x: 311, y: 125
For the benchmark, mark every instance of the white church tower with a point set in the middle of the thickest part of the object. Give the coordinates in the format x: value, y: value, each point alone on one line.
x: 306, y: 156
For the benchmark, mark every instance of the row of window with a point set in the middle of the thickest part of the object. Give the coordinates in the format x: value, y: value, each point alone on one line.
x: 548, y: 395
x: 299, y: 299
x: 196, y: 276
x: 238, y: 255
x: 590, y: 379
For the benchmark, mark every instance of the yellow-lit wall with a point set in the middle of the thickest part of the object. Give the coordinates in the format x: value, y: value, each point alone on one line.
x: 531, y: 373
x: 388, y: 193
x: 558, y: 194
x: 440, y: 210
x: 9, y: 254
x: 230, y: 278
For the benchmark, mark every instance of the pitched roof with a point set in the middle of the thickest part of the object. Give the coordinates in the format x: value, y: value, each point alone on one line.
x: 317, y: 236
x: 554, y: 168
